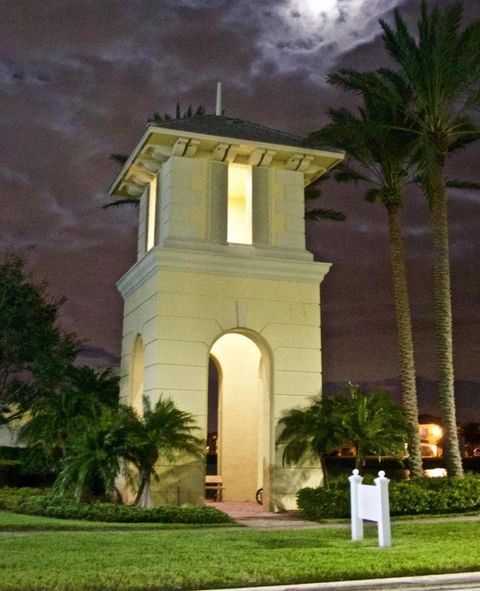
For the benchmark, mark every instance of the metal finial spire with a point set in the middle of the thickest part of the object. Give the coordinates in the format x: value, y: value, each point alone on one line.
x: 218, y: 108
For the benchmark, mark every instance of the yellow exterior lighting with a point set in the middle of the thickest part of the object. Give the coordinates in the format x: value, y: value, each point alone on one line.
x: 151, y: 213
x: 435, y: 473
x: 239, y: 226
x: 430, y: 432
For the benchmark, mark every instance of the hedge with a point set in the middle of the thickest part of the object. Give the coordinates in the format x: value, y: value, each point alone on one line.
x: 36, y: 502
x: 16, y: 470
x: 408, y: 497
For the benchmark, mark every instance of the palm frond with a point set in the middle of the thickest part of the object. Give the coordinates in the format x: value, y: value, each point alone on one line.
x: 348, y: 175
x: 121, y: 202
x: 457, y: 184
x: 325, y: 214
x: 373, y: 195
x: 119, y: 158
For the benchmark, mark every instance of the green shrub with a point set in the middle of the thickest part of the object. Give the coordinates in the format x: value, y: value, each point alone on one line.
x: 36, y: 502
x: 9, y: 472
x: 10, y: 453
x: 321, y: 503
x: 15, y: 499
x: 409, y: 497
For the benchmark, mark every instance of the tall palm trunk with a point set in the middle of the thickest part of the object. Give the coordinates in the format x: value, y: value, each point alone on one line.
x: 360, y: 457
x: 323, y: 463
x: 443, y: 316
x: 405, y: 340
x: 143, y: 494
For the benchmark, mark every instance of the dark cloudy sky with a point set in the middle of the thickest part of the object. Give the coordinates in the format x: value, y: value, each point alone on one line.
x: 78, y: 80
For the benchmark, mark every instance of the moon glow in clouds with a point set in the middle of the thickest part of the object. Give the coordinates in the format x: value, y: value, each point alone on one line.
x: 314, y: 33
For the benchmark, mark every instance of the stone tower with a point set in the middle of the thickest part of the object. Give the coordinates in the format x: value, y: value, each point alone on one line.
x: 223, y: 275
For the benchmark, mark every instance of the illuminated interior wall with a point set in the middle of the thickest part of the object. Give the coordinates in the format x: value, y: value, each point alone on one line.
x: 151, y: 214
x: 241, y: 441
x: 138, y: 365
x: 239, y: 225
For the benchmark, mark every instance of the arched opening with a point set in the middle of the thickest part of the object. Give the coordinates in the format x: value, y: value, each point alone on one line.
x: 239, y: 376
x: 138, y: 369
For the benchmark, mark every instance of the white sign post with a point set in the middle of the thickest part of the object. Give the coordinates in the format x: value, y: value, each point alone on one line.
x: 371, y: 503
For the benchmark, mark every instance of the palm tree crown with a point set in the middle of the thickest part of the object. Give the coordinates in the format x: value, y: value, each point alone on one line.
x: 163, y: 431
x: 312, y: 431
x: 369, y: 421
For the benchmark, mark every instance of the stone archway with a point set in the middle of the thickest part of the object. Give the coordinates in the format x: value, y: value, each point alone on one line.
x: 244, y: 432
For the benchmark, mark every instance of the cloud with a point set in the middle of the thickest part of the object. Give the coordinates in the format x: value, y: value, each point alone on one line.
x: 77, y: 86
x: 14, y: 176
x: 312, y: 35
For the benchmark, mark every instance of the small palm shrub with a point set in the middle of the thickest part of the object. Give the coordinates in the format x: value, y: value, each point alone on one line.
x: 367, y: 421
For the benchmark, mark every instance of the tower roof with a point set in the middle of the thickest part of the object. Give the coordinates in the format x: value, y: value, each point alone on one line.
x: 232, y: 127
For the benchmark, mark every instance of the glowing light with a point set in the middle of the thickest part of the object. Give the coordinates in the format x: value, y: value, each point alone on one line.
x: 437, y: 431
x: 239, y: 227
x: 315, y: 7
x: 429, y: 450
x: 310, y: 35
x: 151, y: 213
x: 435, y: 473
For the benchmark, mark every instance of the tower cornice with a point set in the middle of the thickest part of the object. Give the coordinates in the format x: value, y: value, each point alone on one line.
x: 233, y: 261
x: 160, y: 143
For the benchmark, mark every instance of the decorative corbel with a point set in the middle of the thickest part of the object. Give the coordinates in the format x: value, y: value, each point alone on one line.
x: 160, y: 153
x: 225, y: 152
x: 267, y: 158
x: 132, y: 189
x: 298, y: 162
x: 185, y: 147
x: 150, y: 165
x: 305, y: 163
x: 256, y: 157
x: 261, y: 157
x: 192, y: 148
x: 180, y: 146
x: 219, y: 152
x: 141, y: 176
x: 293, y: 162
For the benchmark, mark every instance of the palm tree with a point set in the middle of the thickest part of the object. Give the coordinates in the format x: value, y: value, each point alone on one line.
x: 311, y: 431
x: 162, y: 432
x: 198, y: 112
x: 373, y: 424
x: 380, y: 155
x: 314, y: 192
x: 66, y: 410
x: 442, y: 67
x: 94, y: 453
x: 370, y: 422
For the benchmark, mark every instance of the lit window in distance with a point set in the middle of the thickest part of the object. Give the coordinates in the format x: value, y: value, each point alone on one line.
x: 239, y: 227
x: 151, y: 210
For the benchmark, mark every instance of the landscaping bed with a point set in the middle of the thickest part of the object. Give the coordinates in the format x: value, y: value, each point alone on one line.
x: 38, y: 502
x: 425, y: 496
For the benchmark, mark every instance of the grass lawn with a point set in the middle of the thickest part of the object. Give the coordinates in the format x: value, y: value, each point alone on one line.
x: 209, y: 558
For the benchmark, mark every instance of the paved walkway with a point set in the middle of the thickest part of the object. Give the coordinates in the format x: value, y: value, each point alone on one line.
x: 453, y: 582
x: 253, y: 516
